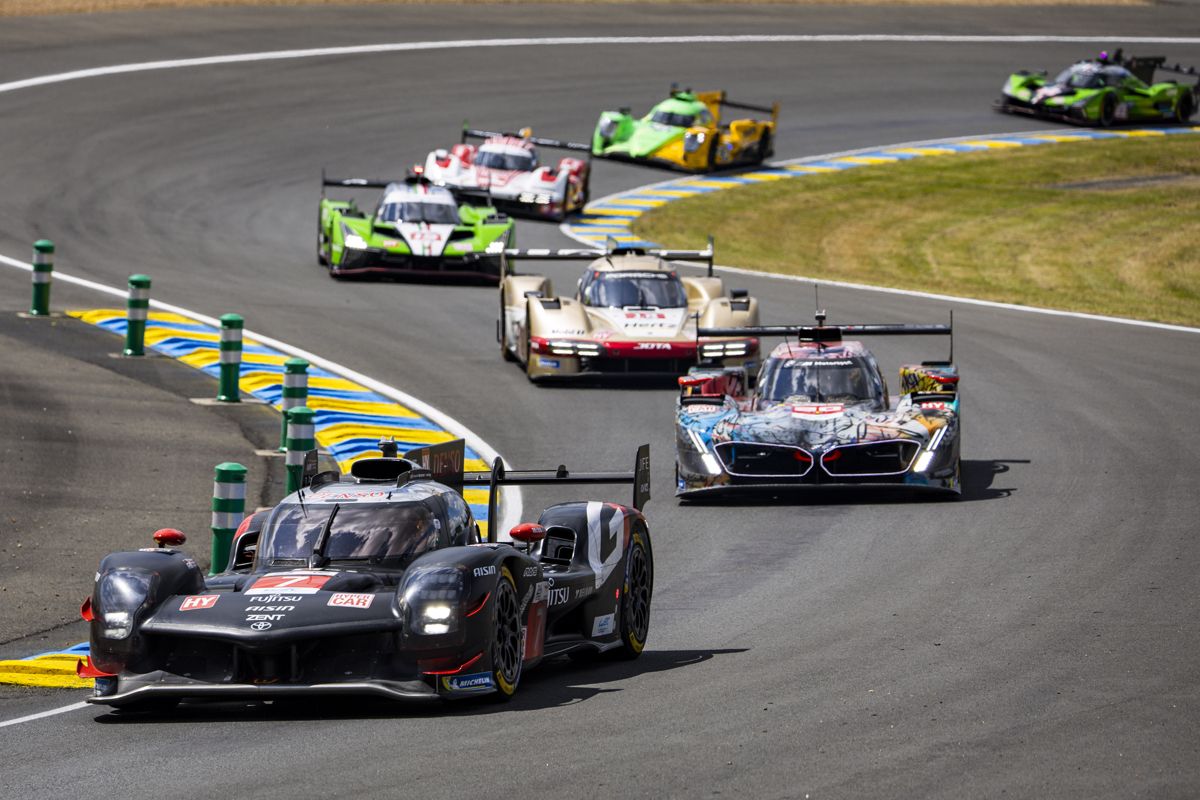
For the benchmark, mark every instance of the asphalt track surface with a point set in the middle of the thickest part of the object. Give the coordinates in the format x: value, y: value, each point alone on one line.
x: 1038, y: 637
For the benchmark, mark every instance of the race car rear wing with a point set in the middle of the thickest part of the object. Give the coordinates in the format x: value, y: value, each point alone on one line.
x: 462, y: 195
x: 540, y: 141
x: 499, y: 476
x: 613, y: 248
x: 1144, y: 67
x: 722, y: 100
x: 835, y: 333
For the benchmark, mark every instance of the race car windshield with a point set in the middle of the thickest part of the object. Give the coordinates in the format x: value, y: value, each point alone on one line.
x: 674, y: 120
x: 521, y: 162
x: 433, y: 213
x: 815, y: 381
x: 637, y: 290
x: 386, y: 534
x: 1080, y: 77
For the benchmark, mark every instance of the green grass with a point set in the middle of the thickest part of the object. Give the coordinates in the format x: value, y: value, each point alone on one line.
x: 1107, y: 227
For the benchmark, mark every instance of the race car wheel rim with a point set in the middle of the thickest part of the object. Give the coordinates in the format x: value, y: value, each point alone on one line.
x: 506, y: 652
x: 637, y: 593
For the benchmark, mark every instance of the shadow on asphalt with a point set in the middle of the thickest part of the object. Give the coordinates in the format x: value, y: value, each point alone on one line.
x: 977, y: 478
x: 558, y: 682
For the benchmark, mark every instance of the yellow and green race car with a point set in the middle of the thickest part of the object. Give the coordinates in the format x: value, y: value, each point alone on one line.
x: 687, y: 131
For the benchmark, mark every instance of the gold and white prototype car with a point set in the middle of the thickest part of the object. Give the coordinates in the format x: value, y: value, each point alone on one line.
x: 633, y: 311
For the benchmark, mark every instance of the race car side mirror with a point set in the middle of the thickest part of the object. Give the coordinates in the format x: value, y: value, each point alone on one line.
x: 169, y: 537
x: 527, y: 533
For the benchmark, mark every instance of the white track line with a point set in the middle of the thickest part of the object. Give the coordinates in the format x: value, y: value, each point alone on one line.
x: 580, y: 41
x: 43, y: 714
x: 512, y: 505
x: 565, y: 228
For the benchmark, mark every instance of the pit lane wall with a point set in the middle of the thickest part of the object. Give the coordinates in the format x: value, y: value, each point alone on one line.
x: 350, y: 421
x: 612, y: 217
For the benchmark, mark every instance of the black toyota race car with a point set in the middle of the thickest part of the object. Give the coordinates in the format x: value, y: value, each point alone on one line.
x: 376, y: 583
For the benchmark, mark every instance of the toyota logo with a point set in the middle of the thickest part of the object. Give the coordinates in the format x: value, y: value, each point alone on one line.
x: 261, y: 626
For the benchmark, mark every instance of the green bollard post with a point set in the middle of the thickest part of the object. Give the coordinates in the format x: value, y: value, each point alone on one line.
x: 228, y: 511
x: 136, y: 309
x: 231, y: 358
x: 295, y: 393
x: 300, y: 440
x: 43, y: 269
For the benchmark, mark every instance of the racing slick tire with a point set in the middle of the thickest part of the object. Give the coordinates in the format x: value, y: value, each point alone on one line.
x: 765, y: 150
x: 1184, y: 107
x: 505, y: 351
x: 506, y: 638
x: 1108, y: 111
x: 635, y: 597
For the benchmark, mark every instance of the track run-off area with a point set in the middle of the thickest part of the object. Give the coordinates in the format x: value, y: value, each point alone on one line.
x: 1036, y: 636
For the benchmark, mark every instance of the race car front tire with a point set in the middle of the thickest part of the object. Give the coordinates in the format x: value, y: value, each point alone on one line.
x: 506, y: 638
x: 1108, y: 110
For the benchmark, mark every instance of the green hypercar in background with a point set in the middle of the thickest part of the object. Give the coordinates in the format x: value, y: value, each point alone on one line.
x: 686, y: 131
x: 1102, y: 91
x: 416, y: 229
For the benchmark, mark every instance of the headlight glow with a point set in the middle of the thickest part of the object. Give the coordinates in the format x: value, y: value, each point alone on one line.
x: 355, y: 242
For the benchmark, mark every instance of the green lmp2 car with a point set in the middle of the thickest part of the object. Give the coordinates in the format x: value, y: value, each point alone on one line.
x: 416, y: 229
x: 1102, y: 91
x: 686, y: 132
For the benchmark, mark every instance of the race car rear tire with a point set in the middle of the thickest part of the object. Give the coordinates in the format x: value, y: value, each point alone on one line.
x: 634, y: 624
x: 506, y: 638
x: 1185, y: 107
x: 1108, y: 110
x: 764, y: 148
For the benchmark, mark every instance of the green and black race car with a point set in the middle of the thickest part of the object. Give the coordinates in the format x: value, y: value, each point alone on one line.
x: 1102, y: 91
x: 416, y: 229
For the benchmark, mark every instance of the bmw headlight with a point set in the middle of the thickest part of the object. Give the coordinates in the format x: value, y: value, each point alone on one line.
x: 121, y: 593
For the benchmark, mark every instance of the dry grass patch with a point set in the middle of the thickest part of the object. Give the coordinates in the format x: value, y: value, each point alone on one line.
x: 1107, y: 227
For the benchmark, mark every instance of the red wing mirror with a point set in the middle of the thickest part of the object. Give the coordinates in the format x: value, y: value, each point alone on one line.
x: 85, y: 610
x: 169, y: 537
x: 528, y: 533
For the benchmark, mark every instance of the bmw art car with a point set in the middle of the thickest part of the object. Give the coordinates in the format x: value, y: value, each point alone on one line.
x: 376, y: 583
x: 633, y: 311
x: 688, y: 131
x: 819, y: 415
x: 1103, y: 91
x: 505, y: 167
x: 415, y: 229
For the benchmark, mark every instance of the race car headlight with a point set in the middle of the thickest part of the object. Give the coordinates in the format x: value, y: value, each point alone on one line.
x: 430, y: 596
x: 535, y: 199
x: 697, y: 442
x: 121, y: 593
x: 692, y: 142
x: 495, y: 247
x: 608, y: 127
x: 570, y: 348
x: 355, y: 242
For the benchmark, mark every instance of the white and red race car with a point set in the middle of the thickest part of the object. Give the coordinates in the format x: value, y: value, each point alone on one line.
x: 506, y: 167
